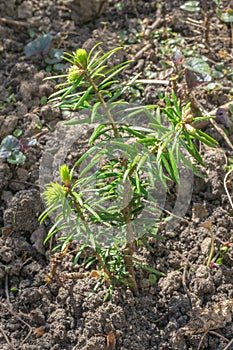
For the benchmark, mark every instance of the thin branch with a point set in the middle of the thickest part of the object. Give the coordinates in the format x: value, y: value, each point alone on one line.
x: 203, y: 124
x: 153, y: 81
x: 141, y: 52
x: 201, y: 341
x: 225, y: 186
x: 9, y: 307
x: 228, y: 345
x: 221, y: 132
x: 7, y: 289
x: 219, y: 335
x: 6, y: 338
x: 15, y: 23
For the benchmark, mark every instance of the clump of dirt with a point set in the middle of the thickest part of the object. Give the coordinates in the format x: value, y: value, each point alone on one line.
x: 189, y: 308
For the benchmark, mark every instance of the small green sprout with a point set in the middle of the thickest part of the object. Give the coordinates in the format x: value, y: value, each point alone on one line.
x: 65, y: 176
x: 80, y: 59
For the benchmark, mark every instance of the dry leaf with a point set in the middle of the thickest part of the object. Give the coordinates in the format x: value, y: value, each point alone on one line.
x: 38, y: 332
x: 223, y: 53
x: 95, y: 273
x: 111, y: 341
x: 207, y: 224
x: 145, y: 22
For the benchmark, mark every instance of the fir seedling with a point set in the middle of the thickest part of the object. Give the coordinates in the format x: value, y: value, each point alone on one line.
x: 110, y: 206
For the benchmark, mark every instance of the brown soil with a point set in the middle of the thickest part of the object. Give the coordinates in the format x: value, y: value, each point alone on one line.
x: 192, y: 307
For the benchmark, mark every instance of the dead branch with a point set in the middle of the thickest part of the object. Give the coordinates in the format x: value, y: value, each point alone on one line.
x: 14, y: 23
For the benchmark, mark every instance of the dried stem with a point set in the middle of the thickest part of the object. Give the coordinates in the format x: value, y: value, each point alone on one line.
x: 211, y: 253
x: 226, y: 189
x: 207, y: 30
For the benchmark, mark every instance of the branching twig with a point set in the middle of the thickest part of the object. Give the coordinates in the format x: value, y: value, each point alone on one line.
x: 9, y: 307
x: 184, y: 277
x: 218, y: 335
x: 201, y: 341
x: 6, y: 338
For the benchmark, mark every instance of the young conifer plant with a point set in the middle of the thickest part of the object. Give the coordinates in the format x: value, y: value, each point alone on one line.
x: 114, y: 202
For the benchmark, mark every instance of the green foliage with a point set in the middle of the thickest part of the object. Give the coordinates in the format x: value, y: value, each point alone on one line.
x: 98, y: 77
x: 124, y: 165
x: 191, y: 6
x: 13, y: 149
x: 224, y: 12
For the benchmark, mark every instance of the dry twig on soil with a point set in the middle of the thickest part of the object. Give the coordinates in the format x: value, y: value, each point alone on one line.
x: 14, y: 23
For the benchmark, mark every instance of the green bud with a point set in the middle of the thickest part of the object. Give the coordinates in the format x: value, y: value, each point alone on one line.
x: 187, y: 116
x: 81, y: 58
x: 65, y: 175
x: 191, y: 130
x: 224, y: 249
x: 74, y: 74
